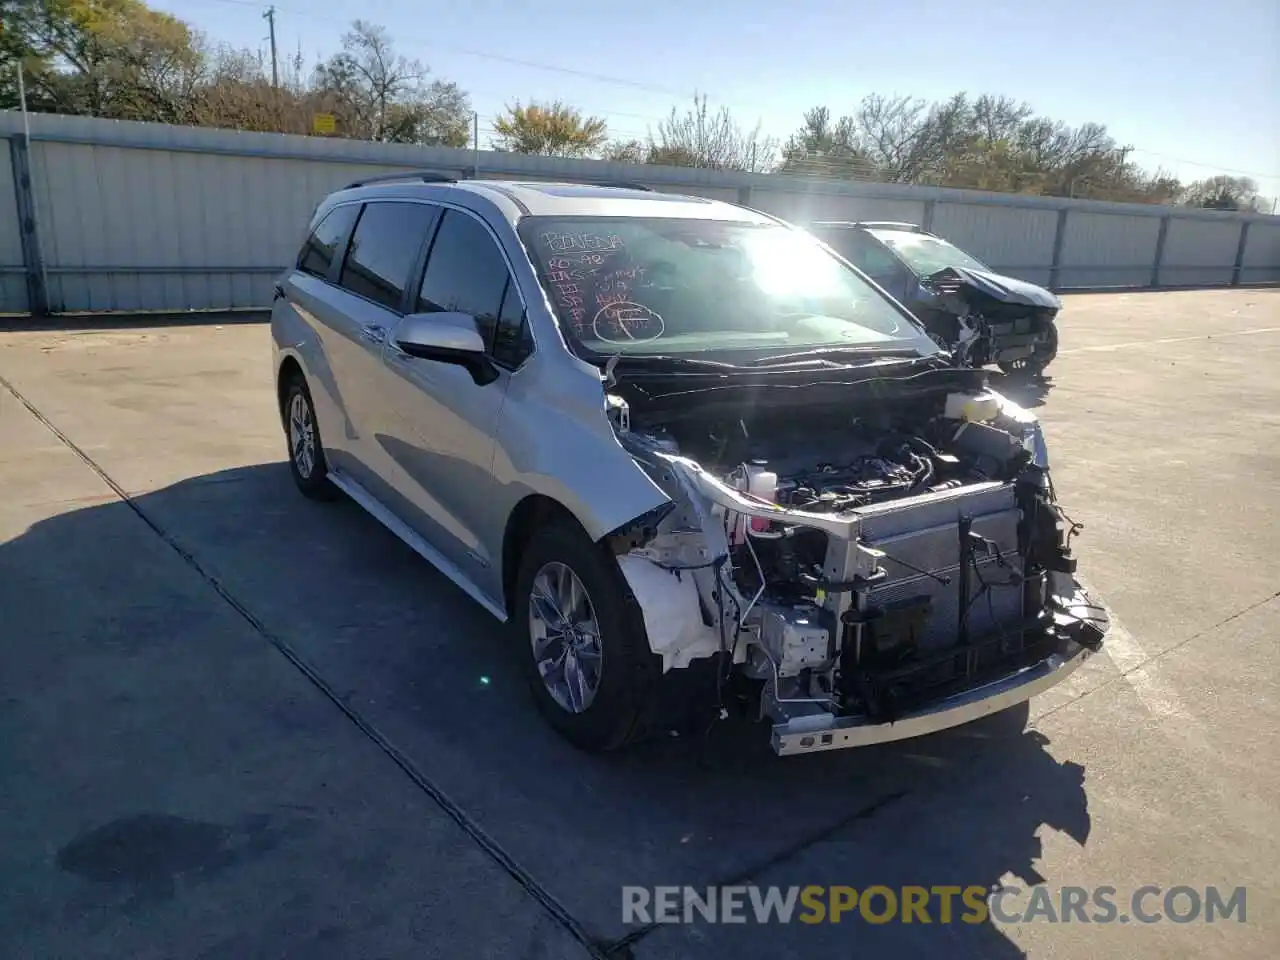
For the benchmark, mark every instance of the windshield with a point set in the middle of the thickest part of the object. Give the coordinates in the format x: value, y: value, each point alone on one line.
x: 730, y: 290
x: 924, y: 254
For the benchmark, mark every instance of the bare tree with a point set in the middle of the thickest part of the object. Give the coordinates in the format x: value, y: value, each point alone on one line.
x: 824, y: 147
x: 988, y: 143
x: 626, y: 151
x: 384, y: 96
x: 892, y: 131
x: 1224, y: 193
x: 701, y: 138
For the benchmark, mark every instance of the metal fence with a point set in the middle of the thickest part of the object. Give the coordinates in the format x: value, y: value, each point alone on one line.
x: 110, y: 215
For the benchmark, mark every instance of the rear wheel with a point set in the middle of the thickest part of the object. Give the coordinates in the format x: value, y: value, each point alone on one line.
x: 306, y: 452
x: 583, y: 645
x: 1040, y: 358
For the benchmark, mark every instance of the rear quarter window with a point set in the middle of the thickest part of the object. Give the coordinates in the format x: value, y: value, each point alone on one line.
x: 317, y: 253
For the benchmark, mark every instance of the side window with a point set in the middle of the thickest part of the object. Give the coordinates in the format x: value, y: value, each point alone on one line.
x: 875, y: 261
x: 318, y: 252
x: 465, y: 273
x: 512, y: 342
x: 384, y: 248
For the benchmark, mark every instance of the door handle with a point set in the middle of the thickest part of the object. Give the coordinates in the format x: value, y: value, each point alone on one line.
x: 374, y: 333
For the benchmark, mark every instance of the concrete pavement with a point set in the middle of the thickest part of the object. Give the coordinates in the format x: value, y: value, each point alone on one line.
x: 290, y: 736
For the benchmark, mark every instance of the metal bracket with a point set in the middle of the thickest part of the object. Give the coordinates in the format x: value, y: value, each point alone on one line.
x: 1158, y: 260
x: 1059, y: 237
x: 1240, y: 247
x: 37, y: 295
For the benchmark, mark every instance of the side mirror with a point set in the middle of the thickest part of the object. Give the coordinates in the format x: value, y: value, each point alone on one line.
x: 446, y: 338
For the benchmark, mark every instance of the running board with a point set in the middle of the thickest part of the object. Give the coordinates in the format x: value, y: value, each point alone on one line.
x: 402, y: 530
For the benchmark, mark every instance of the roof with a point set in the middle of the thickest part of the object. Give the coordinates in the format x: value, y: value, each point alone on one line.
x: 518, y: 199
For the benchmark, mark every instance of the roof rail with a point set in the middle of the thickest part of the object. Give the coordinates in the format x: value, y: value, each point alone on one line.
x: 870, y: 225
x: 889, y: 225
x: 426, y: 176
x: 624, y: 185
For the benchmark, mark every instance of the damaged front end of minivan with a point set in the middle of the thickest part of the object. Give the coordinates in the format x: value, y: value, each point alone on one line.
x: 870, y: 557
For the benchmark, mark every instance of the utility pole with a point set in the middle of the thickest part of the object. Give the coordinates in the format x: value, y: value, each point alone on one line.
x: 475, y: 141
x: 270, y: 17
x: 1124, y: 153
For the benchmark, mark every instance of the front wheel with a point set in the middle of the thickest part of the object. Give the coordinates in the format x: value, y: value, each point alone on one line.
x: 1041, y: 356
x: 583, y: 644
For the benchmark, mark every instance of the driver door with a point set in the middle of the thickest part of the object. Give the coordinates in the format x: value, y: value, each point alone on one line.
x: 437, y: 423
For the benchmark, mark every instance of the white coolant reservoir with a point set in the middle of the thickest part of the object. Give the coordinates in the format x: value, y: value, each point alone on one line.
x: 975, y: 407
x: 762, y: 483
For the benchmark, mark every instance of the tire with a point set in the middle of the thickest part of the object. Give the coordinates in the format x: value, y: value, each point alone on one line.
x: 618, y: 710
x: 306, y: 462
x: 1034, y: 365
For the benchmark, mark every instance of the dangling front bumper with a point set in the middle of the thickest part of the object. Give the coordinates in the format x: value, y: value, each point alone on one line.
x: 1081, y: 626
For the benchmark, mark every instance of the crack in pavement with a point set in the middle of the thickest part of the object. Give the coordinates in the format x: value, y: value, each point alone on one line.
x: 470, y: 827
x: 1125, y: 673
x: 620, y: 949
x: 1111, y: 347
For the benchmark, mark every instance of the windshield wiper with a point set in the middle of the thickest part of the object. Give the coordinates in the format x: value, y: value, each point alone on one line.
x: 833, y: 354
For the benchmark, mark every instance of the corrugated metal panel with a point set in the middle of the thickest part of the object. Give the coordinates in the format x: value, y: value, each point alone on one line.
x: 1107, y: 250
x: 147, y: 216
x: 202, y: 229
x: 1015, y: 241
x: 1199, y: 252
x: 1261, y: 261
x: 13, y: 282
x: 10, y: 238
x: 807, y: 207
x: 13, y: 293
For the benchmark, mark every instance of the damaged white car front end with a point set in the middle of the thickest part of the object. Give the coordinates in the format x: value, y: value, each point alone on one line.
x: 879, y: 578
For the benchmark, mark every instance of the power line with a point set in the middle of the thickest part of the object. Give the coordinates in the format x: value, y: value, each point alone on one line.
x: 465, y: 51
x: 1207, y: 166
x: 624, y: 81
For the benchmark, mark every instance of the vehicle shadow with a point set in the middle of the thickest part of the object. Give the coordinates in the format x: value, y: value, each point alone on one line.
x: 434, y: 675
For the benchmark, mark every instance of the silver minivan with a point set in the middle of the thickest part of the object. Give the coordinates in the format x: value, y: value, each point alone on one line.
x: 698, y: 461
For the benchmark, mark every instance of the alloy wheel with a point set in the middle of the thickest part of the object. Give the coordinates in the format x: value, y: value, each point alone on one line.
x: 302, y: 435
x: 565, y: 635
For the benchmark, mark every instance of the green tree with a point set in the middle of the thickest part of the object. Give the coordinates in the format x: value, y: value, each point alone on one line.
x: 109, y: 58
x: 552, y: 129
x: 988, y: 143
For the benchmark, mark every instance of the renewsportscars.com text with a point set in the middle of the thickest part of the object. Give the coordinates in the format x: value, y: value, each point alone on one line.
x: 942, y: 904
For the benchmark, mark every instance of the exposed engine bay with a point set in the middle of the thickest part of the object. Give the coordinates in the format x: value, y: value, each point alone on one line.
x: 854, y: 565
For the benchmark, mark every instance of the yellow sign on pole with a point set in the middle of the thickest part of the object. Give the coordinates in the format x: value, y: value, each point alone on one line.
x: 323, y: 123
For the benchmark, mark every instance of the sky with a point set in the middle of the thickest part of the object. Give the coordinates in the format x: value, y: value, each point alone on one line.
x: 1193, y: 88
